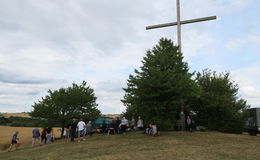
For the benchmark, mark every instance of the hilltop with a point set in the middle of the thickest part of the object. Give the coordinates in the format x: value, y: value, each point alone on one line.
x: 170, y: 145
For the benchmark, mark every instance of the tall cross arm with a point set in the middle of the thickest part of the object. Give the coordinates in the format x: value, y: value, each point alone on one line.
x: 182, y: 22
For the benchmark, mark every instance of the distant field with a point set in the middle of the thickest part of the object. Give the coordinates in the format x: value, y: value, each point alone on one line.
x: 168, y: 146
x: 25, y: 115
x: 25, y: 134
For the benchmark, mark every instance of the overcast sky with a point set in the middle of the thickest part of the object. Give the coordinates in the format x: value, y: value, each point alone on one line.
x: 48, y: 44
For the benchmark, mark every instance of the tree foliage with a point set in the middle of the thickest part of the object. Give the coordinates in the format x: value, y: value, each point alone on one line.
x: 218, y: 106
x: 161, y: 87
x: 61, y: 106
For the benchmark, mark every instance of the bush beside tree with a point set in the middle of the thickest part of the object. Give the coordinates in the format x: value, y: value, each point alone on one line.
x: 218, y: 106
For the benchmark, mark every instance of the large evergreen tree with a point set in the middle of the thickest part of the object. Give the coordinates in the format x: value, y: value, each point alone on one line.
x: 218, y: 106
x: 61, y: 106
x: 161, y: 87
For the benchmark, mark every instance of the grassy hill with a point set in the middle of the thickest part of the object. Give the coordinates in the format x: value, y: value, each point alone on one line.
x: 170, y: 145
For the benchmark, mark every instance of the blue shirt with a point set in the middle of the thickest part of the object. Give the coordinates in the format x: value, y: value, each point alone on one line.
x: 36, y: 132
x: 14, y: 136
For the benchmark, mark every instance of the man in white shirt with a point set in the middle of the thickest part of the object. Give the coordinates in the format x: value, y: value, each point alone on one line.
x: 81, y: 126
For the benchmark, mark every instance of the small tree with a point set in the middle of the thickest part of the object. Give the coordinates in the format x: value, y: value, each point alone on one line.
x: 61, y: 106
x: 163, y: 85
x: 218, y: 106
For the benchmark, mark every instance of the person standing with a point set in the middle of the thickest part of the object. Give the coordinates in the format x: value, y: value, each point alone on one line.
x: 189, y: 123
x: 36, y: 136
x: 73, y: 128
x: 66, y: 133
x: 111, y: 128
x: 123, y: 125
x: 48, y: 135
x: 117, y: 125
x: 81, y: 129
x: 43, y: 136
x: 104, y: 127
x: 140, y: 124
x: 89, y: 128
x: 132, y: 125
x: 14, y: 141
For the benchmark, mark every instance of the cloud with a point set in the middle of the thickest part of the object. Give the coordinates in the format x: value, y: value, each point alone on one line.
x: 6, y: 77
x: 248, y: 80
x: 50, y: 44
x: 238, y: 43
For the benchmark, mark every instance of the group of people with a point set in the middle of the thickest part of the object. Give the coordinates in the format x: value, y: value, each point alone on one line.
x: 79, y: 129
x: 118, y: 126
x: 46, y: 136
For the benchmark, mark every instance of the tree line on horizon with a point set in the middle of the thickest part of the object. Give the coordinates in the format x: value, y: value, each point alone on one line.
x: 157, y: 92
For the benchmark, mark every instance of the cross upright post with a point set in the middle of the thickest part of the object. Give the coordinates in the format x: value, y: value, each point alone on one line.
x: 178, y: 23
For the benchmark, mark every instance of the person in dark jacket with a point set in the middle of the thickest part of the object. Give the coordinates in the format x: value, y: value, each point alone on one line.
x: 117, y: 125
x: 43, y: 136
x: 73, y: 129
x: 104, y: 127
x: 111, y: 129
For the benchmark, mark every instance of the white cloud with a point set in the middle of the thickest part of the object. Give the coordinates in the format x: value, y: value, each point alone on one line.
x: 49, y: 44
x: 238, y: 43
x: 196, y: 43
x: 248, y: 80
x: 110, y: 94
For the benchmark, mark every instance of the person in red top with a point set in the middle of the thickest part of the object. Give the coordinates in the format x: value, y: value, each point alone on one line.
x: 43, y: 136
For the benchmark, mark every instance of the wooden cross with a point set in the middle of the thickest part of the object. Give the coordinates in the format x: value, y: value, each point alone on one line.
x: 179, y: 23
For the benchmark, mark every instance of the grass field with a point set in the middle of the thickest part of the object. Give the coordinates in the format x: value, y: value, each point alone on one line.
x: 25, y: 115
x: 170, y: 146
x: 25, y: 134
